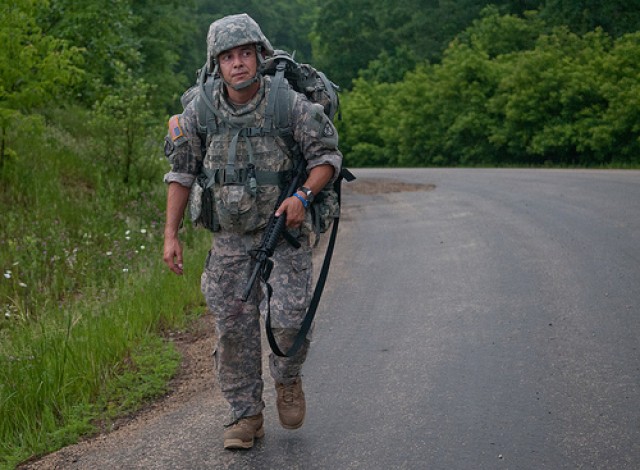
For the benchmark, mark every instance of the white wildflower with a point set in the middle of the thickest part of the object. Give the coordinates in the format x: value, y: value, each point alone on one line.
x: 143, y: 230
x: 127, y: 232
x: 142, y: 247
x: 7, y: 274
x: 22, y: 284
x: 125, y: 270
x: 109, y: 253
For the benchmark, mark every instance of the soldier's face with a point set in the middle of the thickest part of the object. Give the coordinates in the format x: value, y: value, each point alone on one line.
x: 238, y: 64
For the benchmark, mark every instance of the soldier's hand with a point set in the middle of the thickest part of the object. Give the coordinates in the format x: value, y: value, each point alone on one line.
x: 173, y: 254
x: 292, y: 206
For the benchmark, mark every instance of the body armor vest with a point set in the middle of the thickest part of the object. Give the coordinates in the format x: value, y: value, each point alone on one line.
x: 245, y: 164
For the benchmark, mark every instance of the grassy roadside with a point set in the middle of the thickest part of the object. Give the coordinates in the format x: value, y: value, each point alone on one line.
x: 93, y: 360
x: 84, y: 295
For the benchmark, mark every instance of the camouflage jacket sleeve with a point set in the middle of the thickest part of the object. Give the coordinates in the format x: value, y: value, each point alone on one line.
x: 316, y: 135
x: 182, y: 148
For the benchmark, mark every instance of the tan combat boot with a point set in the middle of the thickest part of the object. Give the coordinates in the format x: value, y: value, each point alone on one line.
x: 241, y: 435
x: 291, y: 404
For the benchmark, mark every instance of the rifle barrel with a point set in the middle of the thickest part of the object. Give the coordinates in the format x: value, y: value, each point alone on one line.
x: 251, y: 282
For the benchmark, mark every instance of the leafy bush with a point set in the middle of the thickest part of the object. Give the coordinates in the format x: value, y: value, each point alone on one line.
x: 508, y: 92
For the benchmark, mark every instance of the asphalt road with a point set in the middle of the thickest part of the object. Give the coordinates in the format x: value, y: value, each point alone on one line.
x: 489, y: 323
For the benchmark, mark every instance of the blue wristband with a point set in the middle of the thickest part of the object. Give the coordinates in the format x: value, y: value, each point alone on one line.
x: 305, y: 203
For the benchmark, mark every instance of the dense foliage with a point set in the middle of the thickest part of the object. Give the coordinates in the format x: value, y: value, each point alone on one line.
x: 85, y: 92
x: 509, y: 91
x: 90, y: 52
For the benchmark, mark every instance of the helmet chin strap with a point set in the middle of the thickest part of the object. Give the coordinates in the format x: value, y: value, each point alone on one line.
x: 245, y: 84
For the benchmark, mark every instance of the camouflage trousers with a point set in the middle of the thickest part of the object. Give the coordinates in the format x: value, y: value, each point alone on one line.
x: 238, y: 353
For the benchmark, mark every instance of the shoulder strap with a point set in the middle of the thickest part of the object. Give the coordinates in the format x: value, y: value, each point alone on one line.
x: 206, y: 110
x: 278, y: 109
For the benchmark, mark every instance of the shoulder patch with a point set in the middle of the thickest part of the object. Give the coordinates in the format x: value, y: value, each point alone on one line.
x: 175, y: 131
x: 328, y: 130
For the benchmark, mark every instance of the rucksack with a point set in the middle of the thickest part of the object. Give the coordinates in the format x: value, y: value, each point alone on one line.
x: 303, y: 78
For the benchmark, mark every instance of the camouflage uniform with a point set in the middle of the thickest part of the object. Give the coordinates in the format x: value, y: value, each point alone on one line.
x: 228, y: 265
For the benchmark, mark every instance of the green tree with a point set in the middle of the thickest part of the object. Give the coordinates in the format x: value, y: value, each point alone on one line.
x: 614, y: 135
x: 104, y: 32
x: 163, y: 30
x: 616, y: 17
x: 496, y: 34
x: 362, y: 130
x: 34, y: 67
x: 124, y: 122
x: 390, y: 37
x: 438, y: 115
x: 550, y: 100
x: 149, y: 37
x: 346, y: 37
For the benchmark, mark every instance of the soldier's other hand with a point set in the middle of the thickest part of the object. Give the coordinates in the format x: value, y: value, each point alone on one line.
x: 173, y: 254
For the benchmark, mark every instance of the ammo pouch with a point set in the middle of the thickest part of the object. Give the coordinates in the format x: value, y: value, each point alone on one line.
x: 237, y: 208
x: 201, y: 205
x: 232, y: 204
x: 325, y: 209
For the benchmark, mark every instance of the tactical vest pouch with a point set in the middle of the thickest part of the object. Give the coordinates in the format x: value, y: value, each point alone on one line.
x: 202, y: 209
x: 237, y: 208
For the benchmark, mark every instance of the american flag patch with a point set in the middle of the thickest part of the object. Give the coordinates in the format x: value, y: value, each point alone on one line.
x: 175, y: 131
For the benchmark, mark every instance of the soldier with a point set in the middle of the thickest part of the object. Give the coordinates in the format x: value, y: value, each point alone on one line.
x: 246, y: 170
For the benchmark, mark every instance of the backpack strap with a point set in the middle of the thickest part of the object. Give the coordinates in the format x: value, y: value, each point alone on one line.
x: 207, y: 112
x: 278, y: 112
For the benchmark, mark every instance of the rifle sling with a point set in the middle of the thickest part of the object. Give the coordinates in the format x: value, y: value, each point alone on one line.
x: 317, y: 293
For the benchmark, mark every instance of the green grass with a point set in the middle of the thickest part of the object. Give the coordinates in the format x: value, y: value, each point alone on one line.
x: 84, y: 295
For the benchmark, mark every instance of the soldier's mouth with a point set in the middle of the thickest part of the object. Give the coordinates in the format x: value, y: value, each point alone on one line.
x: 240, y: 76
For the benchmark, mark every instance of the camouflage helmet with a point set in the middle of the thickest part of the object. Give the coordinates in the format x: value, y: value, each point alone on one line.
x: 233, y: 31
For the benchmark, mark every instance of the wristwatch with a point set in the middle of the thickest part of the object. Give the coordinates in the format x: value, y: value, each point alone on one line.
x: 308, y: 194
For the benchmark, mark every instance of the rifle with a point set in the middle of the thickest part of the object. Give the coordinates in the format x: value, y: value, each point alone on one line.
x: 264, y: 265
x: 275, y: 228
